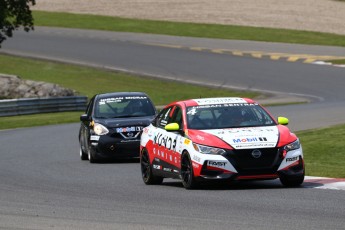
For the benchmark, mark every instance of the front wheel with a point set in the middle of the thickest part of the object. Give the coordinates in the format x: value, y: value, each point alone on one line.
x: 91, y: 157
x: 187, y: 174
x: 83, y: 155
x: 292, y: 181
x: 146, y: 170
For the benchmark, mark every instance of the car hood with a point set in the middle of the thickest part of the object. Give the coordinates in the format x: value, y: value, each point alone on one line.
x: 244, y: 138
x: 125, y: 122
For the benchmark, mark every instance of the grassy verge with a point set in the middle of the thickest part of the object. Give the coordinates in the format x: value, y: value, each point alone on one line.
x: 84, y: 21
x: 39, y: 120
x: 339, y: 62
x: 324, y: 151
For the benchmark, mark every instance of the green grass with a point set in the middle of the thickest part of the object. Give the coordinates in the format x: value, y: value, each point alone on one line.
x: 339, y: 61
x: 39, y: 120
x: 84, y: 21
x: 324, y: 151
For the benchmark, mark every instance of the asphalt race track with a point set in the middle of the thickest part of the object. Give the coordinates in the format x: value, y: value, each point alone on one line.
x: 44, y: 184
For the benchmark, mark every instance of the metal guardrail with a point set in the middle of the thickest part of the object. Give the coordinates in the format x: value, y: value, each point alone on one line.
x: 22, y: 106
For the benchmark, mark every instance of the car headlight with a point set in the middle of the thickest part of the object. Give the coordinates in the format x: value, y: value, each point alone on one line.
x: 100, y: 129
x: 292, y: 146
x: 208, y: 150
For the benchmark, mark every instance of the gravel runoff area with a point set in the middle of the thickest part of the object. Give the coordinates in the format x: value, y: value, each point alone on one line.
x: 311, y: 15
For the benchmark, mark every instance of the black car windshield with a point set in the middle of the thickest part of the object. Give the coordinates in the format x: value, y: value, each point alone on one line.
x: 227, y: 116
x: 124, y: 106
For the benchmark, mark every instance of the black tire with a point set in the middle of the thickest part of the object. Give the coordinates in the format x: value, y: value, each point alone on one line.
x: 83, y: 155
x: 292, y: 181
x: 91, y: 156
x: 187, y: 174
x: 146, y: 170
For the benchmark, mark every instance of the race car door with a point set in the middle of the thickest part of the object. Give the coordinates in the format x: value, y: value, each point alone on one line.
x: 167, y: 159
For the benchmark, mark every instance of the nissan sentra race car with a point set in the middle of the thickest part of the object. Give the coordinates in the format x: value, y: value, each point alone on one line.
x: 219, y: 139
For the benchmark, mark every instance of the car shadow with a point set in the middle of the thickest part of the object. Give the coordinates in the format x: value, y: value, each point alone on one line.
x: 121, y: 161
x: 237, y: 185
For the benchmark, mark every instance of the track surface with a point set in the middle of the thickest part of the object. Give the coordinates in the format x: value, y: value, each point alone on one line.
x: 44, y: 184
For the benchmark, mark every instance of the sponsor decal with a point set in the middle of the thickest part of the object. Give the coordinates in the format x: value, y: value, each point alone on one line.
x: 145, y: 130
x: 186, y: 141
x: 135, y: 97
x: 169, y: 157
x: 168, y: 142
x: 110, y: 100
x: 157, y: 166
x: 291, y: 159
x: 167, y: 169
x: 196, y: 158
x: 201, y: 138
x: 129, y: 140
x: 94, y: 138
x: 119, y: 99
x: 129, y: 129
x: 249, y: 139
x: 254, y: 145
x: 217, y: 163
x: 209, y: 101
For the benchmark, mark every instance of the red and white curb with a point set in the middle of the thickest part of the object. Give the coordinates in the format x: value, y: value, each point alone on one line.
x: 324, y: 183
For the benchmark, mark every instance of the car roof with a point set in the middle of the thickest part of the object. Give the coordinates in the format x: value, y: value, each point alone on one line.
x: 121, y: 94
x: 216, y: 100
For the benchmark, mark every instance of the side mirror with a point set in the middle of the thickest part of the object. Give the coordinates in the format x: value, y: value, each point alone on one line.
x: 172, y: 127
x: 283, y: 121
x: 84, y: 117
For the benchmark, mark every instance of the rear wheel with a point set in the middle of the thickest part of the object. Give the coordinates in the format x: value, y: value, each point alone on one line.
x: 187, y: 174
x: 146, y: 170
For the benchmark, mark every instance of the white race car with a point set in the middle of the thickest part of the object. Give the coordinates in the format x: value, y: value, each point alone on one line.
x: 219, y: 139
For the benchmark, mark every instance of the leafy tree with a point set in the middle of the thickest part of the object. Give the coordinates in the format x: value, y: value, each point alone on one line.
x: 13, y: 14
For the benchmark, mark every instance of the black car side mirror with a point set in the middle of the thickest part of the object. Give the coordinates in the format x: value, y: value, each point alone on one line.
x: 84, y: 117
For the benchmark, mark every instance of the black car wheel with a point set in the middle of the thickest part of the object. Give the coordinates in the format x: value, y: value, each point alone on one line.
x: 292, y: 181
x: 91, y: 156
x: 146, y: 170
x: 83, y: 155
x: 187, y: 174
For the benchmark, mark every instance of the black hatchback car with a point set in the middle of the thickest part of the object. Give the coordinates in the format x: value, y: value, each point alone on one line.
x: 112, y: 125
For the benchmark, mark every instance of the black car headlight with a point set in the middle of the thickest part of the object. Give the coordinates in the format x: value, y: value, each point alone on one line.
x: 293, y: 145
x: 100, y: 129
x: 208, y: 150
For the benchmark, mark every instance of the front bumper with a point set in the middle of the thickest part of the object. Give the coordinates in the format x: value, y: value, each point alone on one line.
x: 107, y: 147
x: 246, y: 168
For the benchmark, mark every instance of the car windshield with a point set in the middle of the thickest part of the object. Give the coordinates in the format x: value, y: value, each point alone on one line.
x: 124, y: 106
x: 227, y: 116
